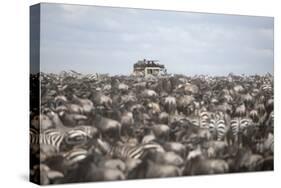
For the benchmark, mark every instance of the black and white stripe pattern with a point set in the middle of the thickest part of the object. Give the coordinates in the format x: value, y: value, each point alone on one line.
x: 34, y: 138
x: 52, y: 137
x: 217, y: 127
x: 267, y: 88
x: 75, y: 155
x: 202, y: 120
x: 238, y: 125
x: 126, y: 151
x: 80, y: 135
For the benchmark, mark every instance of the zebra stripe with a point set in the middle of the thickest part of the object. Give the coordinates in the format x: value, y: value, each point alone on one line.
x: 202, y: 120
x: 266, y: 88
x: 126, y: 151
x: 75, y: 155
x: 52, y: 137
x: 204, y: 115
x: 80, y: 134
x: 217, y: 128
x: 33, y: 136
x: 86, y: 131
x: 238, y: 125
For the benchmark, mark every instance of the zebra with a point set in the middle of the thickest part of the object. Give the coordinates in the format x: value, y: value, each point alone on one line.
x: 80, y: 135
x: 91, y: 77
x: 239, y: 127
x: 267, y: 88
x: 56, y: 137
x: 75, y: 155
x: 127, y: 151
x: 217, y: 127
x: 34, y: 138
x: 51, y: 137
x: 202, y: 120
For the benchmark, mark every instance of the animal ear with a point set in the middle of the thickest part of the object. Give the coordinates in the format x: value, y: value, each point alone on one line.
x: 61, y: 113
x: 102, y: 144
x: 54, y: 174
x: 122, y: 106
x: 191, y: 155
x: 80, y: 117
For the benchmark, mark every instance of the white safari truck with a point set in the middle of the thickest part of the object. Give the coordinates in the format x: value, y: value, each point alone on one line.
x: 149, y: 67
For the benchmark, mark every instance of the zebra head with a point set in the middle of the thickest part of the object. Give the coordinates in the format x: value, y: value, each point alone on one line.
x: 74, y: 137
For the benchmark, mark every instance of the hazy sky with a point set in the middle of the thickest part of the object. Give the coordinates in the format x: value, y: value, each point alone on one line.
x: 92, y: 39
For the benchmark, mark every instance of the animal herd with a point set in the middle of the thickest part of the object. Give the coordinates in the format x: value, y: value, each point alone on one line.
x: 102, y: 128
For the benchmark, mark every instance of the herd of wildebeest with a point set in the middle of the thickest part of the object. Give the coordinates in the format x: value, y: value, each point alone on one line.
x: 102, y: 128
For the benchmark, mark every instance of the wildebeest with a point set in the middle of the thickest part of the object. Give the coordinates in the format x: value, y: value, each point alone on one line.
x: 101, y: 127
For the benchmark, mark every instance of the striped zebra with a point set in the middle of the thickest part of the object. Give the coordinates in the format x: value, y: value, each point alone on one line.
x: 34, y: 137
x: 202, y: 120
x: 52, y: 137
x: 75, y: 155
x: 80, y: 135
x: 91, y: 76
x: 239, y: 127
x: 56, y: 137
x: 267, y: 88
x: 217, y: 127
x: 127, y: 151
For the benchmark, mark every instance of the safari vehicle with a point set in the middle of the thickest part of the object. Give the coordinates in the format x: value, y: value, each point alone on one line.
x: 149, y: 67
